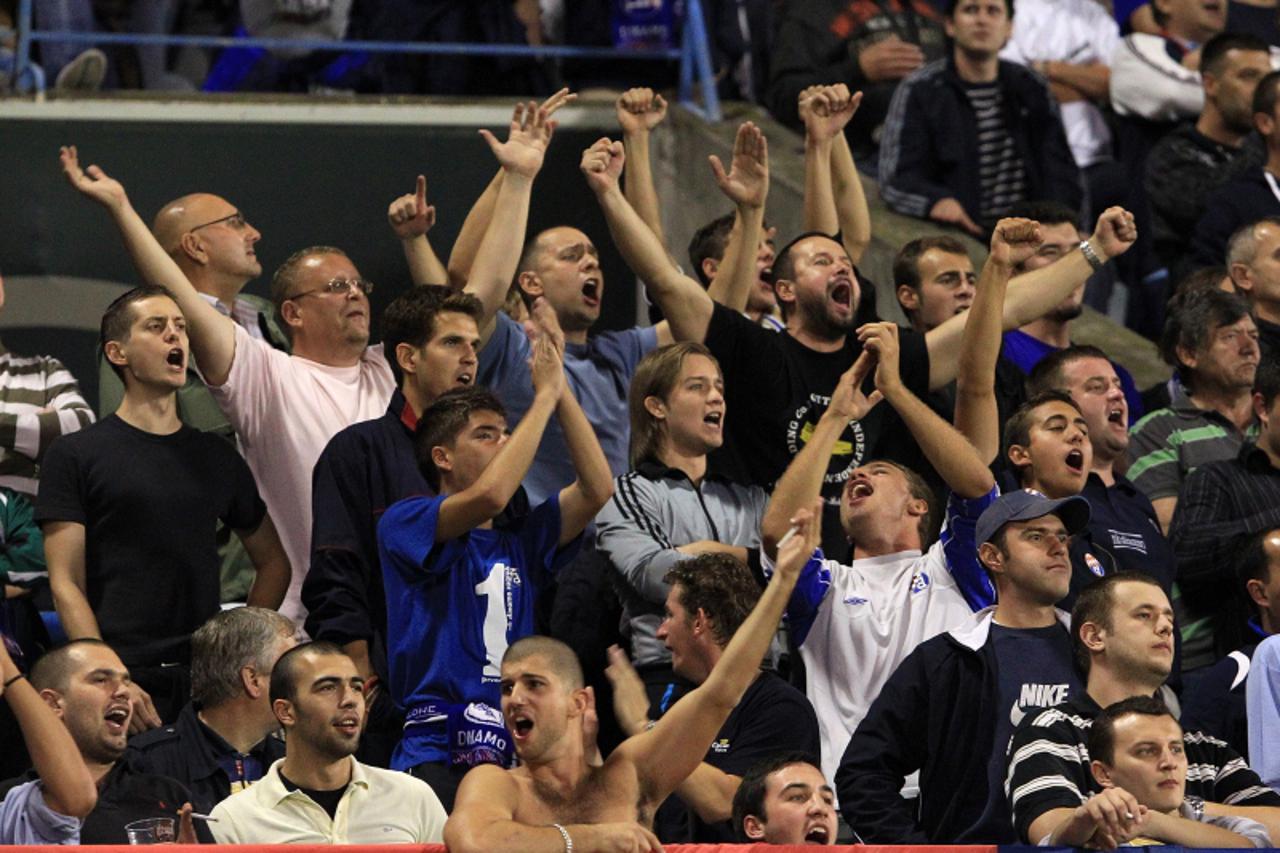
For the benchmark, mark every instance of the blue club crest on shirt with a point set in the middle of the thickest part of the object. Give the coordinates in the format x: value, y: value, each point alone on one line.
x: 1093, y: 564
x: 919, y: 583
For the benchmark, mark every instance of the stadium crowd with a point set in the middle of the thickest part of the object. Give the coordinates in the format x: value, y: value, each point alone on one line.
x: 770, y: 568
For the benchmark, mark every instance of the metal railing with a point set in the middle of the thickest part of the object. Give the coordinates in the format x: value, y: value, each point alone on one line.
x: 694, y: 53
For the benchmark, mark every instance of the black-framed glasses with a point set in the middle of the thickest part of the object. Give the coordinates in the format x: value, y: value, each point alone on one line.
x: 340, y: 286
x: 233, y: 220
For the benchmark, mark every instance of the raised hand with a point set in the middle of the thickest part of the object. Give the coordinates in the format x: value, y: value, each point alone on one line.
x: 630, y: 703
x: 747, y: 182
x: 546, y: 366
x: 796, y: 546
x: 881, y: 339
x: 827, y: 111
x: 560, y: 99
x: 847, y: 400
x: 527, y: 140
x: 1114, y: 233
x: 889, y: 59
x: 640, y: 110
x: 602, y: 164
x: 410, y: 216
x: 92, y: 182
x: 144, y: 714
x: 1014, y: 240
x: 543, y: 322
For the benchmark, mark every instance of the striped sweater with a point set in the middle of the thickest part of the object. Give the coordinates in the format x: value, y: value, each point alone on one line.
x: 39, y: 401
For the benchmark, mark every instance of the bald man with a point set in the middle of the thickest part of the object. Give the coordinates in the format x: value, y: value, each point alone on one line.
x: 212, y: 242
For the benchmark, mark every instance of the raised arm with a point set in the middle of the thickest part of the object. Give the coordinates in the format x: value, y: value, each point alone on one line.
x: 521, y: 158
x: 410, y: 218
x: 1032, y: 294
x: 954, y: 458
x: 746, y: 184
x: 213, y: 339
x: 492, y: 490
x: 801, y: 483
x: 685, y: 304
x: 976, y: 416
x: 852, y: 212
x: 476, y: 224
x: 667, y: 753
x: 587, y: 495
x: 708, y: 790
x: 826, y: 110
x: 270, y: 563
x: 67, y: 785
x: 639, y: 112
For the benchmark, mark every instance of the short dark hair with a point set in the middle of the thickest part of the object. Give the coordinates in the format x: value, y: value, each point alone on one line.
x: 563, y: 660
x: 284, y: 675
x: 929, y: 523
x: 1017, y: 430
x: 1203, y: 278
x: 229, y: 641
x: 411, y: 318
x: 1095, y: 604
x: 1265, y: 96
x: 1046, y: 212
x: 719, y: 585
x: 1213, y: 53
x: 1047, y: 374
x: 709, y: 241
x: 117, y: 320
x: 1252, y: 563
x: 952, y: 4
x: 906, y: 264
x: 444, y: 419
x: 1266, y: 382
x: 784, y: 269
x: 1102, y: 733
x: 749, y: 798
x: 784, y: 265
x: 1191, y: 319
x: 52, y: 670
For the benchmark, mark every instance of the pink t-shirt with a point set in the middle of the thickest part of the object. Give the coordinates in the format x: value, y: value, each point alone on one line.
x: 284, y: 410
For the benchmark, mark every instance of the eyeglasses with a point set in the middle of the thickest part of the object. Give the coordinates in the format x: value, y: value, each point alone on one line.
x: 235, y: 221
x: 340, y: 286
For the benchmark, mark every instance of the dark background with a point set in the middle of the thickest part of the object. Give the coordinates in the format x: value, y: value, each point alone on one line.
x: 300, y: 185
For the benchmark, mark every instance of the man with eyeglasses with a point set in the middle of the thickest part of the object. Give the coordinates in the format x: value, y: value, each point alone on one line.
x: 284, y: 408
x: 213, y: 244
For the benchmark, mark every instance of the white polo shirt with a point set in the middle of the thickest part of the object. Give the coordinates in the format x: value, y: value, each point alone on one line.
x: 378, y: 807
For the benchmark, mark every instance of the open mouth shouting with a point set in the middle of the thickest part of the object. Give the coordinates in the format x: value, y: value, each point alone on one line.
x: 521, y: 727
x: 842, y: 293
x: 117, y: 718
x: 591, y: 292
x: 1075, y: 461
x: 817, y: 833
x: 858, y: 491
x: 1117, y: 415
x: 176, y: 359
x: 714, y: 419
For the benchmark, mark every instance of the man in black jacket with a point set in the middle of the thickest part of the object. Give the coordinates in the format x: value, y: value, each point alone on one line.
x: 951, y: 707
x: 969, y: 136
x: 226, y: 737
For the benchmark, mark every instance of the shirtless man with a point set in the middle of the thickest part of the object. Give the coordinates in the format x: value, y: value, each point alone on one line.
x: 558, y: 799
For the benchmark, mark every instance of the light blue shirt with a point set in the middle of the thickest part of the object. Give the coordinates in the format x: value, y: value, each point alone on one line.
x: 25, y: 818
x: 1262, y: 700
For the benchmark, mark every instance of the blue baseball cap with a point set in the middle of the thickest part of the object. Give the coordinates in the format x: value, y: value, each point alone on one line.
x: 1026, y: 504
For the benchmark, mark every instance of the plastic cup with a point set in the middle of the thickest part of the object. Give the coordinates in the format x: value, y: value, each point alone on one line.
x: 153, y: 830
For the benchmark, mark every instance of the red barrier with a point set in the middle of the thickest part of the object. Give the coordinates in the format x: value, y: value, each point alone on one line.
x: 439, y: 848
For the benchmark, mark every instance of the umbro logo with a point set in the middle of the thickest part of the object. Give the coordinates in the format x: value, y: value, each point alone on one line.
x: 855, y: 600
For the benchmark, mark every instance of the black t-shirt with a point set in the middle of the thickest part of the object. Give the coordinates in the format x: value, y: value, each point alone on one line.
x: 772, y: 717
x: 1034, y: 669
x: 776, y: 389
x: 149, y: 504
x: 327, y: 800
x: 125, y: 795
